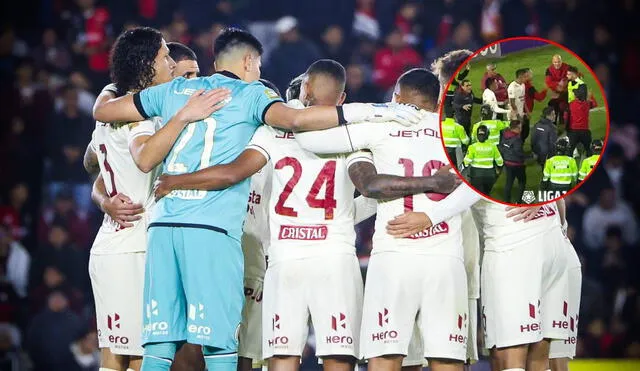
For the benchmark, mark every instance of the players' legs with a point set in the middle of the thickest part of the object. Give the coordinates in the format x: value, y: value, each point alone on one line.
x: 524, y: 134
x: 508, y: 185
x: 338, y: 363
x: 110, y: 361
x: 250, y: 336
x: 538, y: 356
x: 164, y: 322
x: 390, y: 362
x: 559, y: 364
x: 284, y: 363
x: 135, y: 363
x: 211, y: 267
x: 521, y: 176
x: 412, y: 368
x: 245, y: 364
x: 511, y: 358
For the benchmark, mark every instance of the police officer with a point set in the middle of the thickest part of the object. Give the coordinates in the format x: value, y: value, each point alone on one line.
x: 560, y: 171
x: 495, y: 126
x: 484, y: 161
x: 454, y: 137
x: 590, y: 162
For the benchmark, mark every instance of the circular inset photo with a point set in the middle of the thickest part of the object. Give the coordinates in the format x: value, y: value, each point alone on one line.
x: 525, y: 121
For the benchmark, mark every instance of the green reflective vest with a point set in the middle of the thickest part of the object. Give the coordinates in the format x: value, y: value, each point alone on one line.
x: 453, y: 133
x: 561, y: 170
x: 483, y: 155
x: 494, y: 126
x: 571, y: 88
x: 587, y: 165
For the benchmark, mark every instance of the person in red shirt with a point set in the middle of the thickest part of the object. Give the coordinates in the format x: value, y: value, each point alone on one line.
x: 393, y: 60
x: 578, y: 130
x: 556, y: 81
x: 531, y: 93
x: 501, y: 90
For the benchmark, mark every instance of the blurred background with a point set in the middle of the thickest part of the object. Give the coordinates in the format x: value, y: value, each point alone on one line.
x: 54, y: 60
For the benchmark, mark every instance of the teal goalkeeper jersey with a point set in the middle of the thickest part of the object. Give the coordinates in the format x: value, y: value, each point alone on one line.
x: 219, y: 139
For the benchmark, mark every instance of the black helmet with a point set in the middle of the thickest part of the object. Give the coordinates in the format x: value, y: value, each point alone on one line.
x: 482, y: 133
x: 293, y: 91
x: 596, y: 146
x: 562, y: 146
x: 486, y: 113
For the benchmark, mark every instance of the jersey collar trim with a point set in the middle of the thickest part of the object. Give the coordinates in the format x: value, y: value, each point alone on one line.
x: 228, y: 74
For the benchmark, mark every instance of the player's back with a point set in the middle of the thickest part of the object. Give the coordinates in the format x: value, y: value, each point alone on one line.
x: 216, y: 140
x: 311, y: 206
x: 414, y: 151
x: 122, y: 175
x: 499, y: 232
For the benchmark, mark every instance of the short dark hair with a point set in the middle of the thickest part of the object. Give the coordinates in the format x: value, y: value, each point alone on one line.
x: 464, y: 82
x: 132, y: 58
x: 271, y: 86
x: 445, y: 66
x: 547, y: 111
x: 573, y: 69
x: 329, y: 67
x: 514, y: 124
x: 489, y: 81
x: 180, y: 52
x: 521, y: 71
x: 422, y: 81
x: 232, y: 37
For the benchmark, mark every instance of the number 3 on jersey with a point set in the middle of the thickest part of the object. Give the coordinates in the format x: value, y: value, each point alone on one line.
x: 429, y: 169
x: 326, y: 177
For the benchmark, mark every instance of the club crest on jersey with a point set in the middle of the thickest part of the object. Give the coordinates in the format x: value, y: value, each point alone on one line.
x: 439, y: 228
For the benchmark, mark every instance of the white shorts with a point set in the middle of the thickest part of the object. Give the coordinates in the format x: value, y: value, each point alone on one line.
x: 415, y: 353
x: 117, y: 281
x: 403, y: 289
x: 328, y: 289
x: 524, y: 290
x: 250, y: 335
x: 472, y: 339
x: 566, y: 348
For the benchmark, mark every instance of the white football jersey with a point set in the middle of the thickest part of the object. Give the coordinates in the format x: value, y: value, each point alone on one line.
x: 121, y: 175
x: 311, y: 204
x: 409, y: 151
x: 498, y: 232
x: 255, y: 239
x: 516, y: 91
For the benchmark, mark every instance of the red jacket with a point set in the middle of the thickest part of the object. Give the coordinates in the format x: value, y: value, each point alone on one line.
x: 553, y: 76
x: 388, y: 66
x: 531, y: 94
x: 97, y: 33
x: 501, y: 92
x: 579, y: 114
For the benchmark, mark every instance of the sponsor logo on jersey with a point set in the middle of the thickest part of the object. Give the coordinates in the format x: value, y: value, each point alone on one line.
x: 386, y: 336
x: 461, y: 324
x: 339, y: 322
x: 116, y: 341
x: 285, y: 135
x: 534, y: 311
x: 277, y: 341
x: 254, y: 199
x: 545, y: 211
x: 304, y: 233
x: 253, y: 294
x: 421, y: 133
x: 439, y: 228
x: 185, y: 91
x: 271, y: 94
x: 157, y: 328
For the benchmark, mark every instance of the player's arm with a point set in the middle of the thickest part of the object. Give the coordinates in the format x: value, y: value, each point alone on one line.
x: 215, y: 177
x: 119, y: 207
x: 343, y: 139
x: 493, y: 101
x: 370, y: 184
x: 149, y: 148
x: 90, y: 161
x: 410, y: 223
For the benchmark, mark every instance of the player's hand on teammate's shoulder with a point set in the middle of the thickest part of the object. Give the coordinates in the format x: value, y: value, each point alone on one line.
x: 524, y: 213
x: 408, y: 224
x: 382, y: 112
x: 202, y: 104
x: 163, y: 186
x: 122, y: 210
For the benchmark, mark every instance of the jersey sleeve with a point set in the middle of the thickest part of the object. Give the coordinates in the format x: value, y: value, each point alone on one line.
x: 136, y: 129
x: 259, y: 99
x: 359, y: 156
x: 461, y: 199
x: 149, y: 101
x: 342, y: 139
x: 511, y: 91
x: 262, y: 141
x: 92, y: 143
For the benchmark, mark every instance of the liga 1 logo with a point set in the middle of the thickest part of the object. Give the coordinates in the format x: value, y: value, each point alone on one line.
x: 543, y: 196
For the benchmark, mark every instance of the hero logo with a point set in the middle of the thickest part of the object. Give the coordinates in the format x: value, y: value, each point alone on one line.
x: 533, y: 326
x: 387, y: 336
x: 197, y: 312
x: 278, y: 341
x: 113, y: 322
x: 337, y: 322
x: 155, y: 328
x: 462, y: 323
x: 564, y: 324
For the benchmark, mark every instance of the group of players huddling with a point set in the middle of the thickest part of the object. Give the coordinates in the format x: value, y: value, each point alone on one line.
x: 181, y: 258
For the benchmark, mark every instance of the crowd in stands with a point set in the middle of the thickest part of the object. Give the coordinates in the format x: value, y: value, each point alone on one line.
x: 54, y: 59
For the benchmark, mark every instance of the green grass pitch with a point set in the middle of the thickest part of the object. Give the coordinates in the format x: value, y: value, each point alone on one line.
x: 538, y: 59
